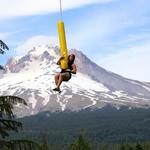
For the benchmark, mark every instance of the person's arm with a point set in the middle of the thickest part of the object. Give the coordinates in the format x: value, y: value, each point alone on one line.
x: 58, y: 62
x: 74, y: 69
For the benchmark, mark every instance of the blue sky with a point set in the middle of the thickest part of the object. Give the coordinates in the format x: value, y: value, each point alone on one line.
x: 113, y: 33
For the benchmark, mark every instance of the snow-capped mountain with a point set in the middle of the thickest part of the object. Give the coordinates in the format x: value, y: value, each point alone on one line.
x: 32, y: 78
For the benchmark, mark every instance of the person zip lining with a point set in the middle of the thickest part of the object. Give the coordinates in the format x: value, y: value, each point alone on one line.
x: 65, y: 74
x: 65, y: 62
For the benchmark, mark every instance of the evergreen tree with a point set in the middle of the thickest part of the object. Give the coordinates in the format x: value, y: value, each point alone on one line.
x: 81, y: 144
x: 139, y: 147
x: 131, y: 148
x: 43, y: 143
x: 8, y: 123
x: 3, y: 47
x: 73, y: 147
x: 122, y: 146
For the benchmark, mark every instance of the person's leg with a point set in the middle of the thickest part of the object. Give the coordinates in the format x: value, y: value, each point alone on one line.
x: 62, y: 77
x: 56, y: 79
x: 59, y: 81
x: 59, y: 78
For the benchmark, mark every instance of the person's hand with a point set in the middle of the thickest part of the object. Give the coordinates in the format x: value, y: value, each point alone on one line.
x: 62, y: 57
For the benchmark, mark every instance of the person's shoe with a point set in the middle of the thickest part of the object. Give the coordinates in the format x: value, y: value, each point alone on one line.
x: 57, y: 89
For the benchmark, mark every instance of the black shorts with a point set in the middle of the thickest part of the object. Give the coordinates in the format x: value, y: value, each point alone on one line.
x: 66, y: 76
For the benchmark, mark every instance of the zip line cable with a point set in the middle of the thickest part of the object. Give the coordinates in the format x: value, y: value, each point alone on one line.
x: 60, y: 10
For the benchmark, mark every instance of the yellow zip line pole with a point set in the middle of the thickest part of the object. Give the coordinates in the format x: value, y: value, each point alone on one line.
x: 62, y: 41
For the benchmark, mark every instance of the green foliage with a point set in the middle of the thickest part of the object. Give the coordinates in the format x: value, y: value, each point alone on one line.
x: 43, y: 143
x: 81, y: 144
x: 123, y: 147
x: 19, y: 145
x: 8, y: 124
x: 6, y: 105
x: 102, y: 128
x: 139, y: 147
x: 1, y: 68
x: 6, y: 115
x: 3, y: 47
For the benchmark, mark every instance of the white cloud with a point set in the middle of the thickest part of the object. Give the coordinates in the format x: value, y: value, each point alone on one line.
x: 5, y: 35
x: 36, y: 41
x: 33, y: 7
x: 102, y: 24
x: 133, y: 58
x: 132, y: 62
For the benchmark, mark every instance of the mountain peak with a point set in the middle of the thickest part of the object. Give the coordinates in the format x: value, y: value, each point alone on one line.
x: 32, y: 78
x: 39, y: 50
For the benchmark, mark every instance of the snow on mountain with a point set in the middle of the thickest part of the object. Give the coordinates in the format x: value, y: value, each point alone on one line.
x: 32, y: 78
